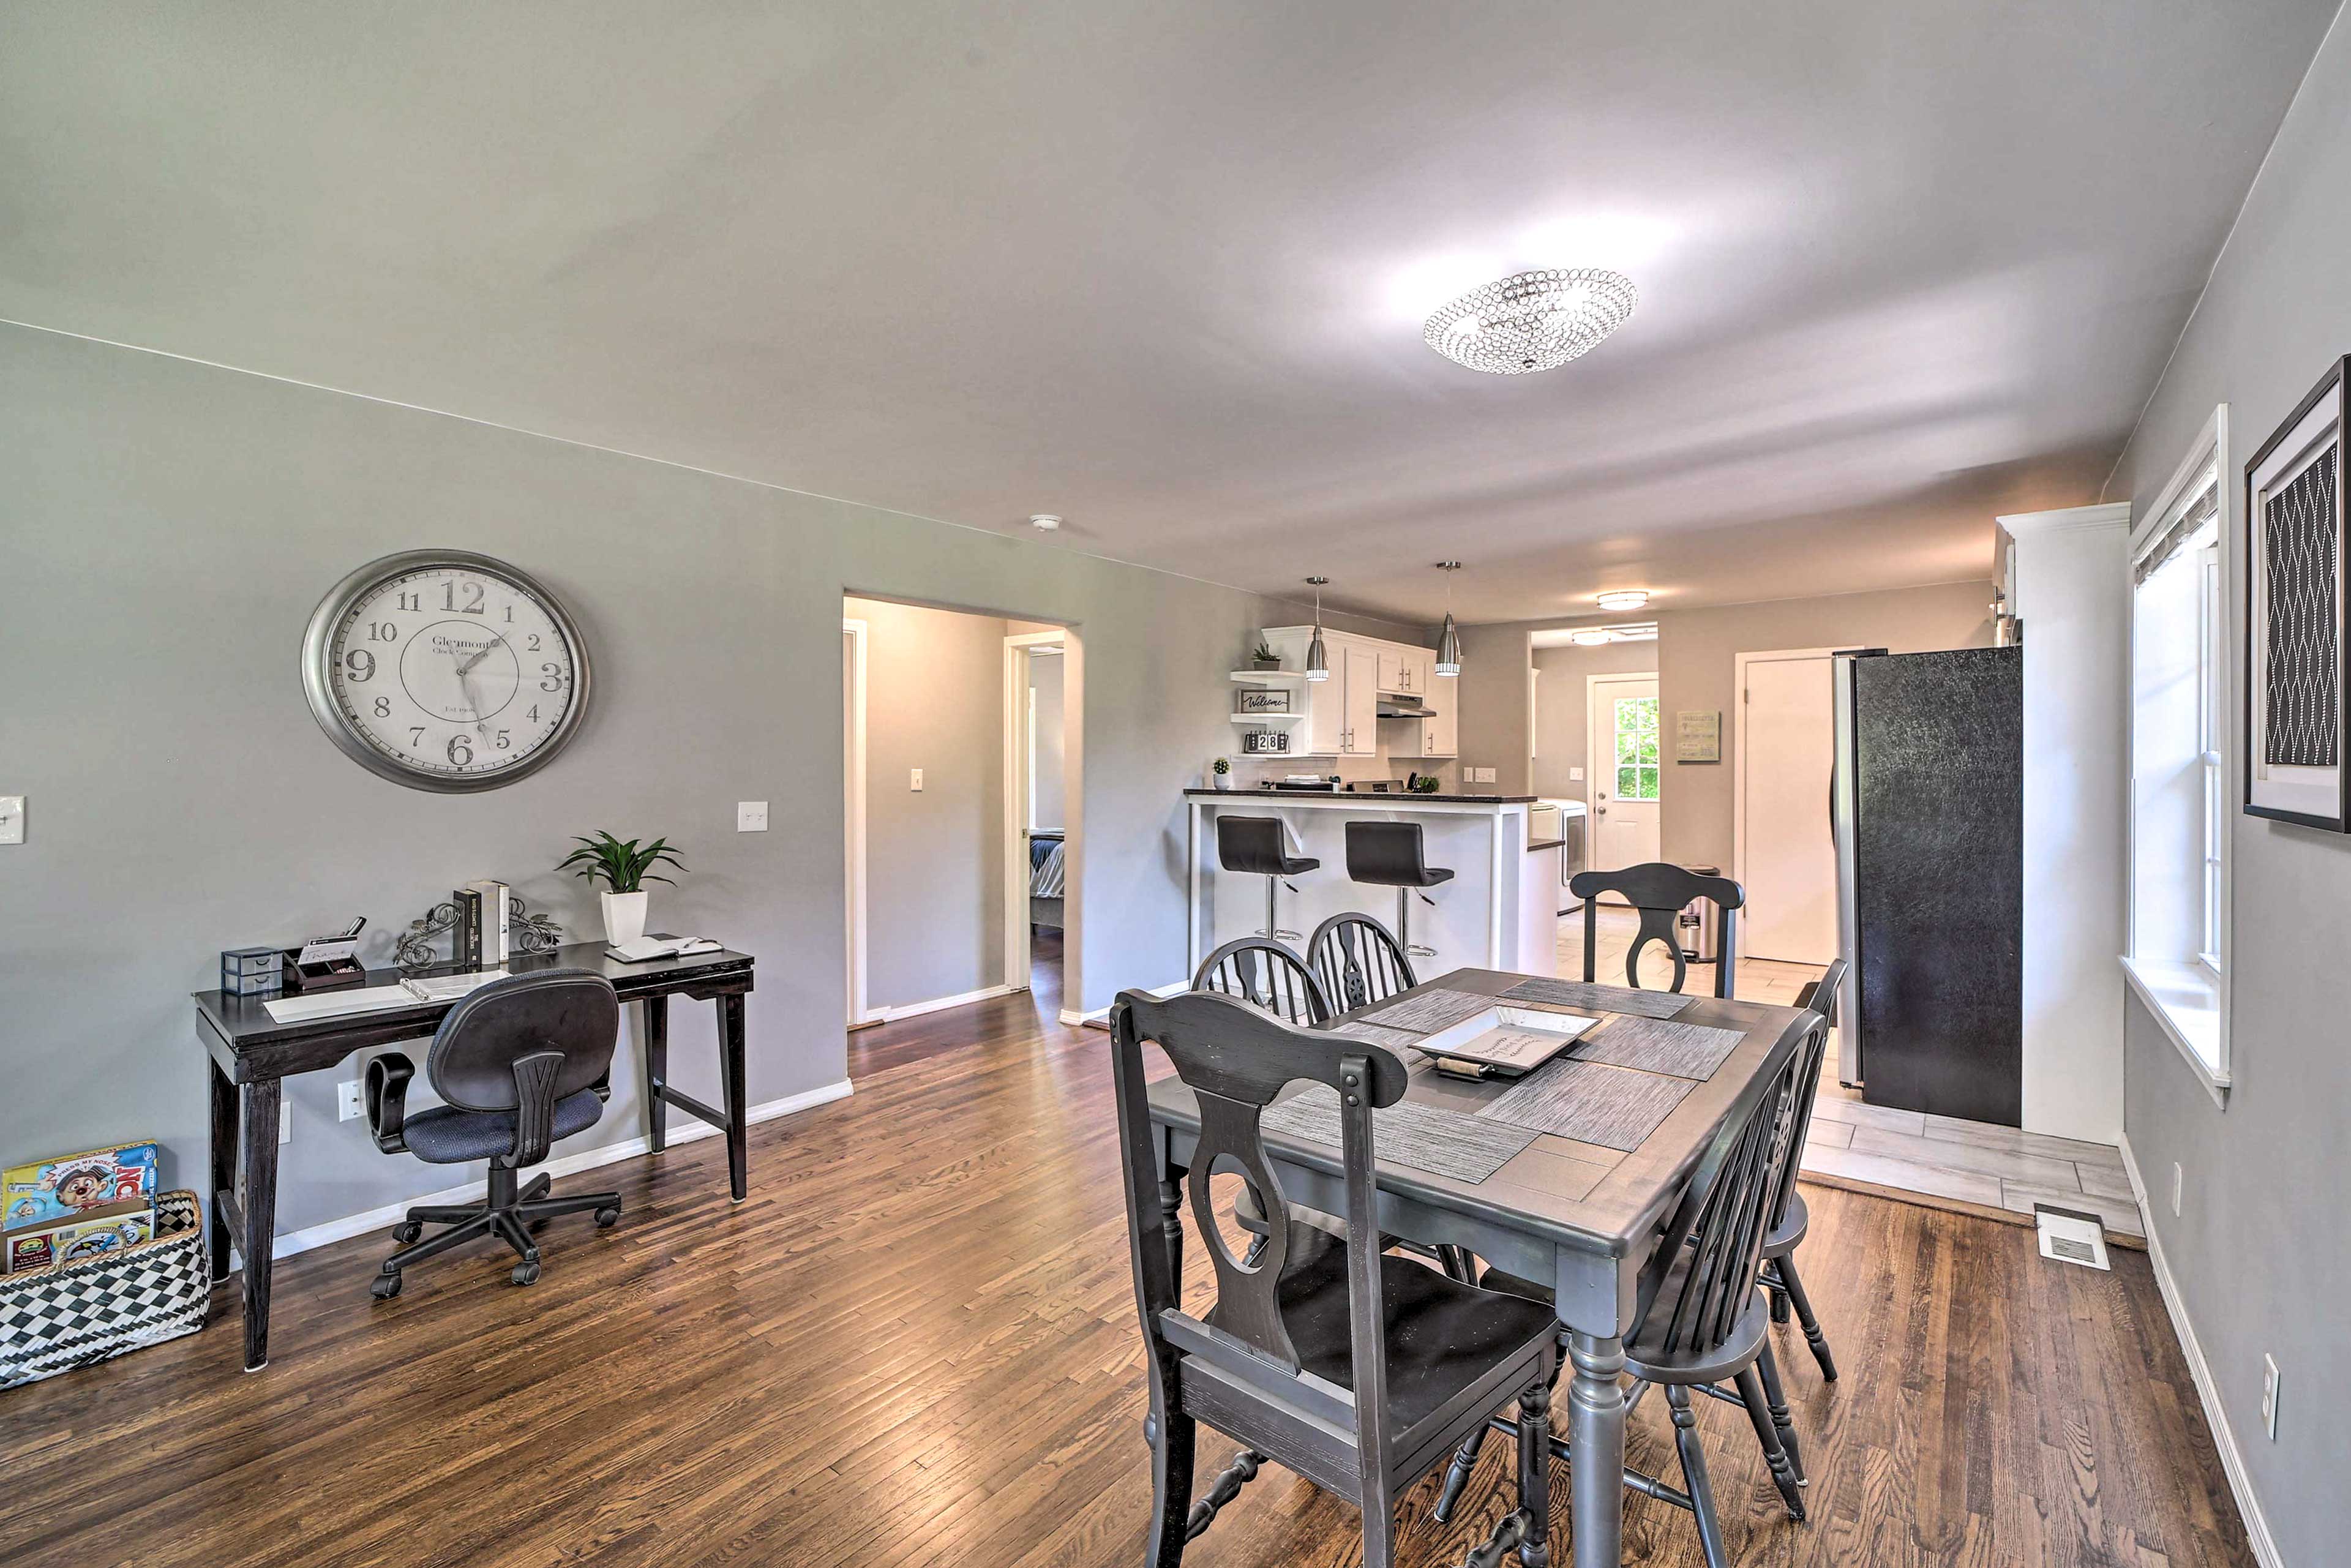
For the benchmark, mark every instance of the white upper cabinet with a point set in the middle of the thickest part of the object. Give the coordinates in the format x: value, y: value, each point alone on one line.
x: 1359, y: 667
x: 1342, y: 712
x: 1396, y: 669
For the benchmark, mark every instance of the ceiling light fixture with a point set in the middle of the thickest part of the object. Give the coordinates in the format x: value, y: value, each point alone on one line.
x: 1049, y: 521
x: 1622, y: 599
x: 1531, y: 320
x: 1592, y: 638
x: 1448, y: 640
x: 1318, y: 661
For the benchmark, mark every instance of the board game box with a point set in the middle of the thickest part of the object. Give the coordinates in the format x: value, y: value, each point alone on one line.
x: 96, y: 1184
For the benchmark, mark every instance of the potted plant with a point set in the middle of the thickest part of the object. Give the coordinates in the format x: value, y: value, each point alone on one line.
x: 1263, y: 657
x: 623, y: 869
x: 1221, y: 770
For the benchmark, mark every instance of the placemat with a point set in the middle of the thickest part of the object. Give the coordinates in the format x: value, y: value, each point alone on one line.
x: 1425, y: 1137
x: 1585, y: 997
x: 1393, y: 1039
x: 1431, y: 1010
x: 1655, y: 1045
x: 1614, y: 1107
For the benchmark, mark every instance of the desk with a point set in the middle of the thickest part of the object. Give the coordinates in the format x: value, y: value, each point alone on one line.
x: 1579, y: 1215
x: 252, y: 1052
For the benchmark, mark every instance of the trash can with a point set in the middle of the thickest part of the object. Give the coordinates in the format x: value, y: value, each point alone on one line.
x: 1700, y: 924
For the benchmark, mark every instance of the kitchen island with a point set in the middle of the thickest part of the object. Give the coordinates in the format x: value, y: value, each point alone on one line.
x: 1500, y: 911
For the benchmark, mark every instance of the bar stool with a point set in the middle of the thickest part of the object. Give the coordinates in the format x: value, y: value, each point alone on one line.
x: 1387, y: 854
x: 1253, y: 846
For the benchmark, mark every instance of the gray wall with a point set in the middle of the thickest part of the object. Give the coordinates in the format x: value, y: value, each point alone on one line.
x: 2261, y: 1252
x: 169, y: 528
x: 933, y: 857
x: 1045, y: 775
x: 1561, y: 736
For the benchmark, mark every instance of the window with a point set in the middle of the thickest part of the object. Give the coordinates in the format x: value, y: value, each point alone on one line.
x: 1636, y: 748
x: 2180, y: 727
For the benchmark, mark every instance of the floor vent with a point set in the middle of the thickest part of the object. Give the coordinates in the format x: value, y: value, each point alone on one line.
x: 2068, y: 1235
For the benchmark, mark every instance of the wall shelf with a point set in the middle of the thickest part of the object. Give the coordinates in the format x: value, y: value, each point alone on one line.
x: 1267, y: 718
x: 1268, y: 677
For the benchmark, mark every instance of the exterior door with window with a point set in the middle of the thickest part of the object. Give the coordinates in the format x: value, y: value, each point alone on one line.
x: 1627, y: 771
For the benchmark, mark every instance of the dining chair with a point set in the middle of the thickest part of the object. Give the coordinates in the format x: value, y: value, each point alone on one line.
x: 1357, y: 1372
x: 1359, y: 961
x: 1789, y: 1219
x: 1265, y: 974
x: 1699, y: 1313
x: 1660, y: 893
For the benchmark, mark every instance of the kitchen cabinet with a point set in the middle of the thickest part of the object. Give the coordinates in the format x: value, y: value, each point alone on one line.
x: 1342, y: 712
x: 1399, y: 670
x: 1358, y: 668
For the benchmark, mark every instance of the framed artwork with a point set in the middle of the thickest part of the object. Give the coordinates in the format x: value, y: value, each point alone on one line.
x: 1263, y: 699
x: 2295, y: 595
x: 1697, y: 737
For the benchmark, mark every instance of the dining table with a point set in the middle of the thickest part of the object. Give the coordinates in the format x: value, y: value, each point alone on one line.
x: 1563, y: 1174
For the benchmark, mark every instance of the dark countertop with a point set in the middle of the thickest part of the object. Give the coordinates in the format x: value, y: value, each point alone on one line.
x: 1363, y: 798
x: 1534, y: 844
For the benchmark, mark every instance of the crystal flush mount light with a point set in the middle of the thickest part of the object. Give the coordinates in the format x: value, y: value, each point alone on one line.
x: 1620, y: 599
x: 1531, y: 320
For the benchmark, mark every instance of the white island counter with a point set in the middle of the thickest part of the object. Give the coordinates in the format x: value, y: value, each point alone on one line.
x: 1500, y: 911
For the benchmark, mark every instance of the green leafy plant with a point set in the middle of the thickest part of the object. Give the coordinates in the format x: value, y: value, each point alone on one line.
x: 1264, y: 655
x: 621, y: 867
x: 1223, y: 765
x: 1425, y: 786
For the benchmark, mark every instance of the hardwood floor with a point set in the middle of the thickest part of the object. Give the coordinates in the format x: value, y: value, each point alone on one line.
x: 915, y: 1344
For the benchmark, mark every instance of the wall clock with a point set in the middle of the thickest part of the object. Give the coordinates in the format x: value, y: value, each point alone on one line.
x: 445, y: 670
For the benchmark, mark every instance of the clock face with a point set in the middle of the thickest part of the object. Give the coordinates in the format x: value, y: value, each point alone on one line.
x: 445, y: 671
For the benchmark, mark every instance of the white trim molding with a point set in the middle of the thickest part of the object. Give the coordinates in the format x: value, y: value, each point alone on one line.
x: 1102, y: 1015
x: 2188, y: 1001
x: 2208, y: 1392
x: 939, y: 1004
x: 853, y: 811
x: 690, y: 1130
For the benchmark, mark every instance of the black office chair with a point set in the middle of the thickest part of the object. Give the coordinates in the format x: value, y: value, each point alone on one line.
x: 1660, y: 893
x: 1388, y: 854
x: 1356, y: 1373
x: 521, y: 1062
x: 1358, y: 962
x: 1253, y: 846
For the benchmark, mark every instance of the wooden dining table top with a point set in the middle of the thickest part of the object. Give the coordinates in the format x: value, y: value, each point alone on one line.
x: 1580, y: 1194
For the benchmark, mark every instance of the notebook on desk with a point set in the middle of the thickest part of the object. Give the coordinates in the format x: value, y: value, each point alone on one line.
x: 661, y: 945
x: 379, y: 999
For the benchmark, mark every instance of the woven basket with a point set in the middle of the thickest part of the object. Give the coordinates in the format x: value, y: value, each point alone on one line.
x: 90, y: 1311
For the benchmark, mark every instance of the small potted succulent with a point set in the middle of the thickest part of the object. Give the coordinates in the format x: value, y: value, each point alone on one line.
x: 623, y: 869
x: 1263, y: 657
x: 1222, y: 772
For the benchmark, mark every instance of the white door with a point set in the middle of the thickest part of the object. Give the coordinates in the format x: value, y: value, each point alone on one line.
x: 1786, y: 859
x: 1628, y: 770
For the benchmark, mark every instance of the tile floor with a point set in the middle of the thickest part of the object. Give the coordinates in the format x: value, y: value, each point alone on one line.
x: 1986, y: 1167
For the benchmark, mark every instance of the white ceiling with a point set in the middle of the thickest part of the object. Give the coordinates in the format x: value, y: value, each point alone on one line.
x: 1160, y: 267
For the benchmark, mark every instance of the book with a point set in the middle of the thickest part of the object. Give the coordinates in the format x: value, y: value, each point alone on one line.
x: 465, y: 940
x: 93, y: 1185
x: 449, y: 987
x: 659, y: 945
x: 492, y: 914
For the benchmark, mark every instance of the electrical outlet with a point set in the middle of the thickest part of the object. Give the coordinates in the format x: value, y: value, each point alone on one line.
x: 751, y: 816
x: 1576, y: 775
x: 12, y: 819
x: 2179, y: 1187
x: 285, y: 1121
x: 2269, y: 1395
x: 916, y: 783
x: 348, y: 1104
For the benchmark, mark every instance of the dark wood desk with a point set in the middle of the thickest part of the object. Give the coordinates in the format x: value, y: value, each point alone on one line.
x: 252, y: 1052
x: 1580, y: 1215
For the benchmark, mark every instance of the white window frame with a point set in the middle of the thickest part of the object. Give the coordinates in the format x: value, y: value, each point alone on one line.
x: 2188, y: 994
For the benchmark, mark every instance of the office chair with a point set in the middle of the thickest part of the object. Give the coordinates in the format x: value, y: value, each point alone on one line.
x: 521, y: 1062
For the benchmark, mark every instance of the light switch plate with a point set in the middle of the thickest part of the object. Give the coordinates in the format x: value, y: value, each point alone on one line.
x: 751, y: 816
x: 917, y: 782
x: 12, y: 819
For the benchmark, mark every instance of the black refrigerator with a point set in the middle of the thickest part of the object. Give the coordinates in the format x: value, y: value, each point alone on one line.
x: 1928, y: 809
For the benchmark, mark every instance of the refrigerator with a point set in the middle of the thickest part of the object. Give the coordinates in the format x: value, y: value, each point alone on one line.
x: 1926, y: 807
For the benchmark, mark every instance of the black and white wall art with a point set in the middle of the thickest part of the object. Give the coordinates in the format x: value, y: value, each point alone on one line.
x: 2295, y: 597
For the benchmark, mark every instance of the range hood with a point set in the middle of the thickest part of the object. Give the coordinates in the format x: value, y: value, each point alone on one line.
x: 1404, y: 707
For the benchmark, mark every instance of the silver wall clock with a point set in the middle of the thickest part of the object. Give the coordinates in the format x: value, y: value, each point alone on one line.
x: 445, y: 670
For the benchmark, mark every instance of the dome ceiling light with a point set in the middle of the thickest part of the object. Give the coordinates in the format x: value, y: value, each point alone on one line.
x: 1531, y: 320
x: 1619, y: 600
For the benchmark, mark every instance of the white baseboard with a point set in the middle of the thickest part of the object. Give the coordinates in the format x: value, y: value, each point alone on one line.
x: 691, y: 1129
x: 938, y: 1004
x: 2224, y: 1437
x: 1102, y: 1014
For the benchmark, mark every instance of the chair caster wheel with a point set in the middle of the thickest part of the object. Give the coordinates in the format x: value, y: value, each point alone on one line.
x: 386, y: 1286
x: 525, y: 1274
x: 607, y: 1217
x: 406, y: 1231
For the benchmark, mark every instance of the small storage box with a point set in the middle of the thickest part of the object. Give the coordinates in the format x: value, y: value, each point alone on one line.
x: 76, y: 1314
x: 252, y: 971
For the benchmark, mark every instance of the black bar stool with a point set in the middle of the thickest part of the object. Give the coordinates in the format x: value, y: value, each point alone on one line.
x: 1252, y: 845
x: 1387, y: 854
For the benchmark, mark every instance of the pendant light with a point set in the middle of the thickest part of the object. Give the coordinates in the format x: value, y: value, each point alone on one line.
x: 1318, y: 661
x: 1449, y: 641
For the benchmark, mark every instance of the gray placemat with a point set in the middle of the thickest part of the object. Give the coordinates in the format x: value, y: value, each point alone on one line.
x: 1425, y: 1137
x: 1614, y: 1107
x: 1393, y: 1039
x: 1430, y: 1010
x: 1587, y: 998
x: 1657, y: 1045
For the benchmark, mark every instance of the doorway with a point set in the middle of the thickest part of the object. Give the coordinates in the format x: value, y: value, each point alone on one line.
x: 1627, y: 772
x: 1784, y: 853
x: 1035, y: 814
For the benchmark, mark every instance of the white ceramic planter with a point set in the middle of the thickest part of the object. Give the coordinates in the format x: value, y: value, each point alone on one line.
x: 624, y: 916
